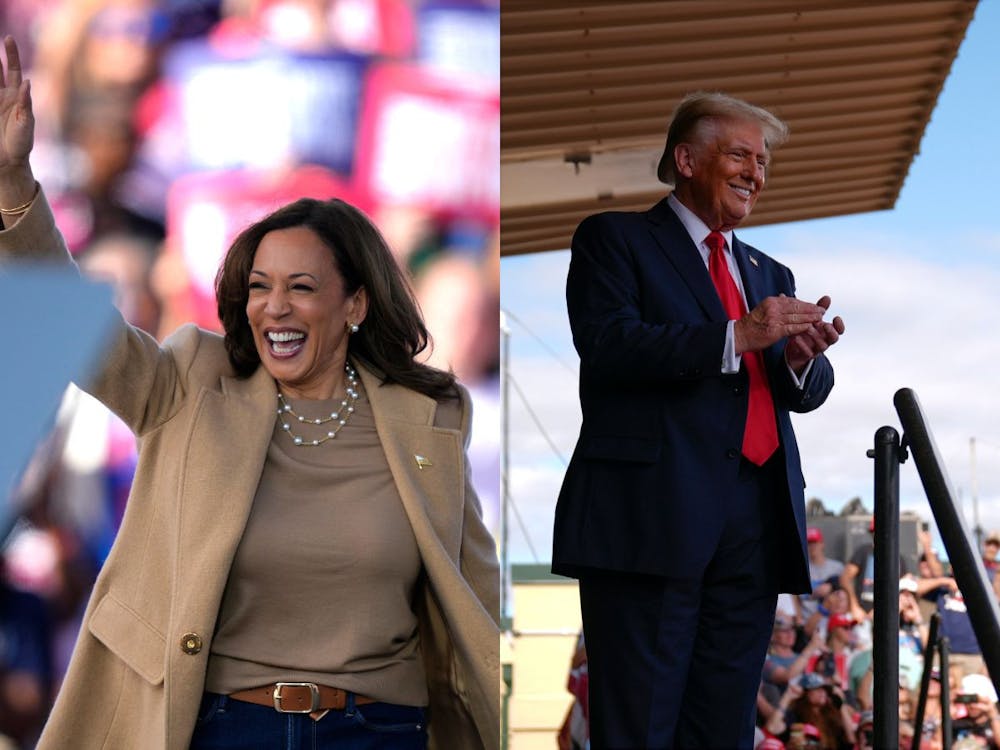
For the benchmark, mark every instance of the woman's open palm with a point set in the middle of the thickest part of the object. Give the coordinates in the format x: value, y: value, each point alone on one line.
x: 17, y: 123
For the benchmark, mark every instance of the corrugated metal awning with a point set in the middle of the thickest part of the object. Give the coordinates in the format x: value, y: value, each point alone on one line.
x: 587, y: 88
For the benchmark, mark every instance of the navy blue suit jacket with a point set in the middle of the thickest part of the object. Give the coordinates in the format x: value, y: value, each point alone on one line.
x: 659, y: 446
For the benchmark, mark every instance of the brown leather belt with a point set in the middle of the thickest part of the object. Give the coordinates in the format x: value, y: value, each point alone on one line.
x: 299, y: 697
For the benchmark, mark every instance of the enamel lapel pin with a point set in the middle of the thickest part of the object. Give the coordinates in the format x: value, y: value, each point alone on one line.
x: 422, y: 461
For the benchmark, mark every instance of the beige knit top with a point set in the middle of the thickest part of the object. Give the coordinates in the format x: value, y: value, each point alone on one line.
x: 322, y: 585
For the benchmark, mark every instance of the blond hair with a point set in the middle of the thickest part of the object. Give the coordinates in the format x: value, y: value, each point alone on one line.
x: 695, y: 108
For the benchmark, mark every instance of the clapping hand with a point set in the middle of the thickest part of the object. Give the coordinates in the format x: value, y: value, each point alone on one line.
x: 774, y: 319
x: 816, y: 339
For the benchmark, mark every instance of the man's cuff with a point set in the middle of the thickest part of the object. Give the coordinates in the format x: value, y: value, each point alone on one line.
x: 800, y: 380
x: 730, y: 359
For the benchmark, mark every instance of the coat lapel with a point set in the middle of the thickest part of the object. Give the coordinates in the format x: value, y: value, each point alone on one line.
x: 228, y: 444
x: 457, y: 634
x: 756, y: 287
x: 677, y: 247
x: 225, y: 453
x: 427, y: 462
x: 753, y: 279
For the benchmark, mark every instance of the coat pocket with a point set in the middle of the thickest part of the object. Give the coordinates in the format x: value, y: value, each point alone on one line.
x: 129, y: 637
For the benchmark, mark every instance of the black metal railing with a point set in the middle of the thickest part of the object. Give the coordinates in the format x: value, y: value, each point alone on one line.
x: 889, y: 452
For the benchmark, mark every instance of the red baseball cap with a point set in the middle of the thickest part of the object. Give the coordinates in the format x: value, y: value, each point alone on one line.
x: 840, y: 621
x: 814, y: 535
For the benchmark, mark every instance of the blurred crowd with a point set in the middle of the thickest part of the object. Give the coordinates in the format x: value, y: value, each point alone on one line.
x: 816, y: 687
x: 817, y: 682
x: 163, y: 128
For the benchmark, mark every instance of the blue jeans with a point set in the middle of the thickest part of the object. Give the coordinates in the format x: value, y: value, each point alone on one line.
x: 227, y: 724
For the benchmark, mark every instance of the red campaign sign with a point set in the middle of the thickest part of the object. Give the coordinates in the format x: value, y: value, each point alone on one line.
x: 205, y: 212
x: 429, y: 141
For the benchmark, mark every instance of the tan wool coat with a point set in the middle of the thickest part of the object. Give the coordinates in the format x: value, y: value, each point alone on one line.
x: 137, y: 673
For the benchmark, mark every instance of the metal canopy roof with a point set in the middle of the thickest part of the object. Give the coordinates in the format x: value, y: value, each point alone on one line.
x: 587, y: 88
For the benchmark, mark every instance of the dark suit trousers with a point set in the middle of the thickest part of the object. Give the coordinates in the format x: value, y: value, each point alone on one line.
x: 675, y: 661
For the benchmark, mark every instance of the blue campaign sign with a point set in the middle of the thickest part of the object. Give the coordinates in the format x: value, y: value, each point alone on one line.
x: 460, y: 38
x: 58, y: 327
x: 264, y: 107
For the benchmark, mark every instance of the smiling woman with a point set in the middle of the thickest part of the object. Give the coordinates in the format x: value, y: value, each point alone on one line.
x: 301, y: 313
x: 227, y: 613
x: 309, y: 272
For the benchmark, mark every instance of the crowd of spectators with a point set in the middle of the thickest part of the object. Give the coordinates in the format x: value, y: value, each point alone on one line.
x: 816, y: 686
x: 164, y: 127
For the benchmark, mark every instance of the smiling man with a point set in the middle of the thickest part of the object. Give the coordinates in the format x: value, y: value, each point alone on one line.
x: 682, y: 510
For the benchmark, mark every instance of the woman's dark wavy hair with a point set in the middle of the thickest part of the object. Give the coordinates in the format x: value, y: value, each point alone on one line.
x: 393, y: 333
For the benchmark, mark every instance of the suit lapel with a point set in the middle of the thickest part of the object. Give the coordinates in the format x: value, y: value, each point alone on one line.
x: 756, y: 287
x: 677, y: 247
x: 753, y: 279
x: 427, y: 462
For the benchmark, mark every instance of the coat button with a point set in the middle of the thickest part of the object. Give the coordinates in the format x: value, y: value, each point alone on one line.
x: 732, y: 453
x: 191, y: 643
x: 737, y: 390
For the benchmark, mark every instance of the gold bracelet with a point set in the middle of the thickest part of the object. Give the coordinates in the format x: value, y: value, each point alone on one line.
x: 23, y: 207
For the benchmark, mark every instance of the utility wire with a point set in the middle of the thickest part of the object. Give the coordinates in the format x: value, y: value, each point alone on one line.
x: 524, y: 528
x: 537, y: 421
x: 552, y: 352
x: 538, y: 424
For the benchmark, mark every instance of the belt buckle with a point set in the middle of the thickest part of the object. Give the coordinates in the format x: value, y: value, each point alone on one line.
x: 313, y: 690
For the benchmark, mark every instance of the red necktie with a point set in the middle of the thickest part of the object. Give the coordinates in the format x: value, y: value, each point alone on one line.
x: 760, y: 436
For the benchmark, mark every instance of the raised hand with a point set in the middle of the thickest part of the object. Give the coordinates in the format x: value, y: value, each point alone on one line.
x: 17, y: 136
x: 17, y: 123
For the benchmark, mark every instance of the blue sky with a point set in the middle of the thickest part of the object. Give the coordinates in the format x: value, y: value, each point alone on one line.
x: 917, y: 287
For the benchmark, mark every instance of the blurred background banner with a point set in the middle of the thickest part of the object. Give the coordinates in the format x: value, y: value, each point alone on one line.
x: 459, y: 38
x: 53, y: 344
x: 427, y: 140
x: 250, y: 104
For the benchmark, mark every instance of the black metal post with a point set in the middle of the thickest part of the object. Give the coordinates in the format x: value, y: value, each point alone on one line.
x: 885, y: 633
x: 944, y: 648
x: 925, y: 680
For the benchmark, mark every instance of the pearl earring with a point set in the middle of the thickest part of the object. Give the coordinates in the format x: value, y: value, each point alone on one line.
x: 354, y: 327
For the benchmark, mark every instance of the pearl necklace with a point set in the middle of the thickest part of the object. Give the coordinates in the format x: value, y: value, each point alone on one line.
x: 340, y: 416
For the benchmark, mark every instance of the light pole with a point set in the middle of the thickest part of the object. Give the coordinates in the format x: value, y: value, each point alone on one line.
x: 977, y: 527
x: 504, y: 462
